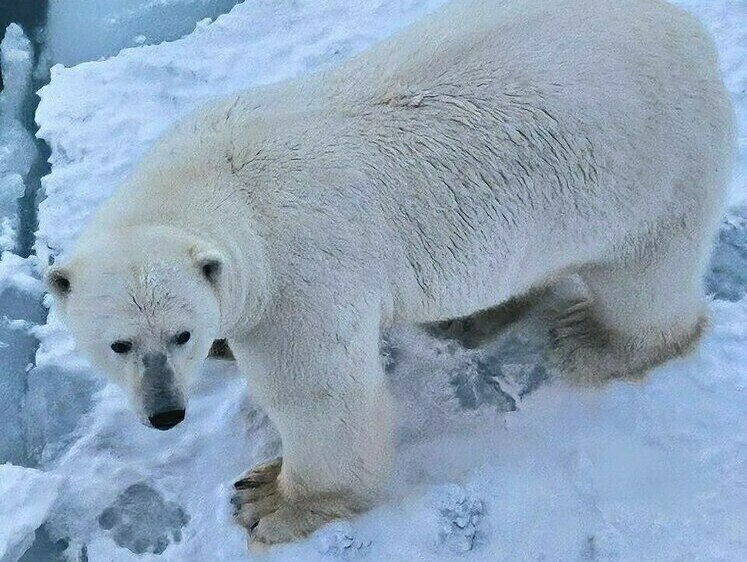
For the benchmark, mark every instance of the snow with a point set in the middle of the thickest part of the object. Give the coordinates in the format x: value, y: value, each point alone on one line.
x: 496, y: 458
x: 26, y: 497
x: 629, y: 473
x: 18, y: 272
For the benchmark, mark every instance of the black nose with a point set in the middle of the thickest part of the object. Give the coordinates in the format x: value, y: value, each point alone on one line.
x: 166, y: 420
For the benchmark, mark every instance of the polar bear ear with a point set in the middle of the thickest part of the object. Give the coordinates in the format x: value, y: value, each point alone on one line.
x: 210, y: 263
x: 58, y: 281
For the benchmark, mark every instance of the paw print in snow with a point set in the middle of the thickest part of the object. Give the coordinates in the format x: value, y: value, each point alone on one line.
x: 339, y: 540
x: 141, y: 520
x: 460, y: 514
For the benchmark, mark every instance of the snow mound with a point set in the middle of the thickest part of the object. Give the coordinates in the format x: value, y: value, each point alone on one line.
x: 26, y: 498
x: 19, y: 273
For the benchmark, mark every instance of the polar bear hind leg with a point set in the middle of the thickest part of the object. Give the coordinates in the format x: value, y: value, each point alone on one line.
x: 645, y: 307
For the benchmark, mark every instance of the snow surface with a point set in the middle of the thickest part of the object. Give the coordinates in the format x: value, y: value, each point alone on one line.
x: 26, y: 496
x: 496, y: 459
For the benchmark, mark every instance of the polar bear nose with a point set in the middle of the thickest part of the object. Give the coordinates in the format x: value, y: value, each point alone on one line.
x: 166, y: 420
x: 162, y: 400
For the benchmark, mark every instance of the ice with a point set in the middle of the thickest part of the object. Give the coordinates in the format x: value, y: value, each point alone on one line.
x: 39, y: 408
x: 496, y: 460
x: 19, y: 290
x: 16, y: 355
x: 84, y: 30
x: 26, y: 498
x: 44, y: 549
x: 55, y: 402
x: 17, y: 147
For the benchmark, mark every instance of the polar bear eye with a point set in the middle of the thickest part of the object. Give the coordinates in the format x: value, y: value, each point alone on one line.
x: 121, y: 346
x: 182, y: 338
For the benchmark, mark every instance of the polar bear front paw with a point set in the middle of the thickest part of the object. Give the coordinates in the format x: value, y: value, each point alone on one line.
x: 271, y: 517
x: 256, y: 493
x: 295, y: 520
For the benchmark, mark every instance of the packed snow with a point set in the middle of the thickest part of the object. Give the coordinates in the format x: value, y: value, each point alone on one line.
x: 497, y: 459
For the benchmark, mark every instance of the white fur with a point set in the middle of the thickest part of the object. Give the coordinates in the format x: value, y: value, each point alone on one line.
x: 490, y: 149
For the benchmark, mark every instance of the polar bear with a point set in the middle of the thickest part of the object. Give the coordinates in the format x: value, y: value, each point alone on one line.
x: 490, y: 150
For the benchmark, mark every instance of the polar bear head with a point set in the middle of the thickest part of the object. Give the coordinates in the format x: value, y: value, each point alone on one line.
x: 143, y: 304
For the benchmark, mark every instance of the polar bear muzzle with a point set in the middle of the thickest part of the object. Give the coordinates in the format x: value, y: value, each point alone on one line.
x: 162, y: 400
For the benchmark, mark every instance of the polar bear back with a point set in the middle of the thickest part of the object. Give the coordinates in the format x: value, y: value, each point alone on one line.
x: 523, y: 135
